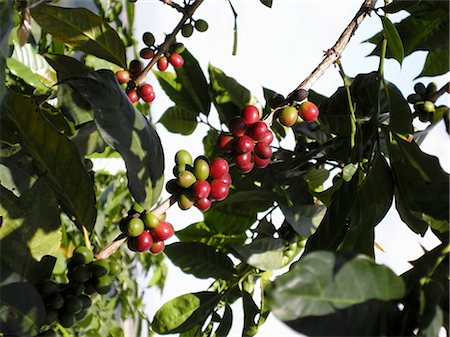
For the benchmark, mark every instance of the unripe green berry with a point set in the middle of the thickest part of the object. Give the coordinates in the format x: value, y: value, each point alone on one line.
x: 178, y: 48
x: 201, y: 169
x: 420, y: 89
x: 150, y: 219
x: 185, y: 200
x: 431, y: 88
x: 413, y: 98
x: 186, y: 179
x: 100, y: 267
x: 82, y: 255
x: 148, y: 38
x: 103, y: 284
x: 183, y: 157
x: 187, y: 30
x: 428, y: 107
x: 201, y: 25
x: 135, y: 227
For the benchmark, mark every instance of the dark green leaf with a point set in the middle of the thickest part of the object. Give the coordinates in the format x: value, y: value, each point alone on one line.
x: 393, y: 38
x: 88, y: 140
x: 179, y: 120
x: 200, y: 260
x: 229, y: 219
x: 436, y: 63
x: 267, y: 3
x: 432, y: 319
x: 73, y: 105
x: 17, y: 173
x: 400, y: 113
x: 398, y: 5
x: 5, y: 28
x: 81, y: 29
x: 307, y: 290
x: 184, y: 312
x: 127, y: 131
x: 66, y: 66
x: 210, y: 142
x: 305, y: 219
x: 251, y: 310
x: 56, y: 157
x: 265, y: 253
x: 225, y: 323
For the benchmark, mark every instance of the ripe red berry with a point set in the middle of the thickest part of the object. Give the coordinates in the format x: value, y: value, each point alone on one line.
x: 135, y: 67
x: 219, y: 190
x: 243, y: 160
x: 237, y: 126
x: 157, y: 247
x: 244, y: 144
x: 308, y: 111
x: 288, y: 116
x: 218, y: 168
x: 145, y: 89
x: 247, y: 168
x: 163, y: 63
x: 146, y: 53
x: 226, y: 179
x: 203, y: 204
x: 257, y: 131
x: 123, y: 76
x: 162, y: 232
x: 226, y: 142
x: 250, y: 114
x: 176, y: 60
x: 267, y: 137
x: 201, y: 189
x: 263, y: 150
x: 260, y: 162
x: 132, y: 95
x: 149, y: 98
x: 144, y: 241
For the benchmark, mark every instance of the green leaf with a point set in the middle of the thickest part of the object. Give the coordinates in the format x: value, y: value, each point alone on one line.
x: 305, y: 219
x: 66, y: 66
x: 210, y: 142
x: 267, y: 3
x: 17, y: 173
x: 184, y: 312
x: 307, y: 290
x: 73, y: 105
x: 30, y: 231
x: 265, y: 253
x: 393, y: 38
x: 23, y: 72
x: 398, y: 5
x: 88, y: 140
x: 83, y: 30
x: 7, y: 24
x: 229, y: 220
x: 56, y: 157
x: 179, y: 120
x: 127, y: 131
x: 174, y: 89
x: 200, y: 260
x: 399, y: 111
x: 436, y: 63
x: 225, y: 324
x: 251, y: 310
x: 228, y: 96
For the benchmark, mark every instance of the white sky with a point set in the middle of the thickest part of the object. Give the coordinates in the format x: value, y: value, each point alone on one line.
x: 278, y: 48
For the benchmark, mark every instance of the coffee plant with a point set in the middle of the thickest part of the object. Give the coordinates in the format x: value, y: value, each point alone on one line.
x: 74, y: 241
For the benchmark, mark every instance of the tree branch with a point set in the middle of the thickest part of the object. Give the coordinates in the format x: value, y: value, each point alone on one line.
x: 173, y: 5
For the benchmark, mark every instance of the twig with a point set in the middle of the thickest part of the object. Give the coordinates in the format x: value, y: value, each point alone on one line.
x: 188, y: 11
x: 440, y: 92
x: 173, y: 5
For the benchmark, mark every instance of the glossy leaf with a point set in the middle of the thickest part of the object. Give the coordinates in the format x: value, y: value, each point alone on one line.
x: 267, y: 3
x: 83, y: 30
x: 73, y: 105
x: 88, y: 140
x: 393, y: 38
x: 200, y: 260
x: 229, y: 220
x: 400, y: 113
x: 251, y: 310
x: 305, y: 219
x: 127, y: 131
x: 7, y: 24
x: 307, y: 290
x: 436, y: 63
x: 184, y: 312
x: 16, y: 173
x: 55, y: 156
x: 23, y: 72
x: 399, y: 5
x: 179, y: 120
x: 210, y: 142
x: 66, y: 66
x: 225, y: 324
x: 265, y: 253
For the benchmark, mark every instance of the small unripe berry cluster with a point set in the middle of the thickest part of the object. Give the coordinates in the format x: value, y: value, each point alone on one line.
x: 423, y: 101
x: 69, y: 302
x: 145, y: 230
x: 144, y: 91
x: 248, y: 142
x: 199, y: 183
x: 188, y: 28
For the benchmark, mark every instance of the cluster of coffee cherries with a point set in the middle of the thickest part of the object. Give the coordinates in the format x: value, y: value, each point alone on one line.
x: 198, y: 183
x: 145, y: 230
x: 423, y: 102
x: 248, y: 143
x: 172, y: 57
x: 199, y: 25
x: 127, y: 76
x: 67, y: 303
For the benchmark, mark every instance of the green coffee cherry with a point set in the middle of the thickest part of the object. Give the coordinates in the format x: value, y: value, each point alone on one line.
x: 100, y: 267
x: 428, y: 107
x: 183, y: 157
x: 89, y: 287
x: 81, y: 273
x: 186, y: 179
x: 86, y: 301
x: 178, y: 48
x: 83, y: 255
x: 420, y: 89
x: 150, y: 219
x: 431, y: 88
x: 56, y: 301
x: 413, y: 98
x: 103, y: 284
x: 51, y: 316
x: 72, y: 304
x: 148, y: 38
x: 201, y: 169
x: 185, y: 200
x: 187, y: 30
x: 172, y: 186
x: 135, y: 227
x: 177, y: 169
x: 66, y: 319
x: 201, y: 25
x: 48, y: 287
x: 82, y: 314
x: 114, y: 268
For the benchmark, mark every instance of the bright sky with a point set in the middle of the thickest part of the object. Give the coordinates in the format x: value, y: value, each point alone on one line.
x: 278, y: 48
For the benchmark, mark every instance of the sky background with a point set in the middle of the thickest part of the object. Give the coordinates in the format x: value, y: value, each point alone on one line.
x: 277, y: 49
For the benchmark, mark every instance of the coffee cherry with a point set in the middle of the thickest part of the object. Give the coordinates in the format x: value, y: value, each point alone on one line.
x: 244, y: 144
x: 186, y: 179
x: 114, y: 267
x: 56, y: 301
x: 133, y: 95
x: 135, y: 67
x: 201, y: 25
x: 176, y: 60
x: 413, y: 98
x: 247, y: 168
x: 203, y: 204
x: 81, y: 273
x: 162, y: 63
x: 250, y: 114
x: 218, y: 168
x: 259, y: 162
x: 66, y: 319
x: 431, y: 88
x: 99, y: 267
x: 219, y: 190
x: 263, y: 151
x: 183, y: 157
x: 135, y: 227
x: 257, y: 131
x: 267, y: 137
x: 149, y: 98
x: 82, y: 255
x: 299, y: 95
x: 428, y: 106
x: 288, y: 116
x: 276, y: 101
x: 72, y: 304
x: 308, y: 111
x: 148, y: 38
x: 76, y: 289
x: 89, y: 288
x: 201, y: 189
x: 226, y: 179
x: 185, y: 200
x: 172, y: 186
x: 187, y: 30
x: 226, y: 142
x: 145, y: 89
x: 86, y: 301
x: 51, y: 316
x: 150, y: 220
x: 237, y: 126
x: 144, y: 241
x: 243, y: 160
x: 162, y: 232
x: 103, y: 284
x: 201, y: 169
x: 48, y: 287
x: 178, y: 48
x: 80, y: 315
x: 123, y: 76
x: 420, y: 89
x: 146, y: 53
x: 157, y: 247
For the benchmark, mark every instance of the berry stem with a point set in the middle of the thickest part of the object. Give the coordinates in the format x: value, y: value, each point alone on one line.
x: 440, y: 92
x: 187, y: 11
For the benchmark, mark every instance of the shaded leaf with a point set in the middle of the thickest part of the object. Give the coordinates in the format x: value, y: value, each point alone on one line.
x: 251, y: 310
x: 436, y: 63
x: 73, y: 105
x: 267, y: 3
x: 265, y: 253
x: 23, y: 72
x: 229, y: 220
x: 88, y: 140
x: 393, y: 38
x: 65, y: 66
x: 179, y: 120
x: 225, y: 323
x: 5, y: 28
x: 83, y: 30
x: 17, y: 173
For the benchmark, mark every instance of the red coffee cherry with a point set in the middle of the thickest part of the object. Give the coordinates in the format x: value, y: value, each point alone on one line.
x: 259, y: 162
x: 132, y: 95
x: 267, y: 137
x: 243, y: 160
x: 257, y: 131
x: 135, y: 67
x: 203, y: 204
x: 226, y: 179
x: 149, y: 98
x: 218, y: 168
x: 219, y: 190
x: 247, y: 168
x: 288, y: 116
x: 226, y: 142
x: 146, y: 53
x: 308, y: 111
x: 244, y: 144
x: 201, y: 189
x: 162, y: 64
x: 157, y: 247
x: 145, y: 89
x: 162, y: 232
x: 250, y: 114
x: 237, y: 127
x: 176, y: 60
x: 123, y: 76
x: 263, y: 151
x: 144, y: 241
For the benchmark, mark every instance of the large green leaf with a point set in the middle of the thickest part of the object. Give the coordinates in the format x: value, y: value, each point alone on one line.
x: 393, y: 38
x: 65, y: 66
x: 184, y: 312
x: 436, y: 63
x: 200, y: 260
x: 30, y: 231
x: 55, y: 157
x: 229, y: 220
x: 323, y: 282
x: 225, y: 324
x: 265, y: 253
x: 73, y: 105
x: 17, y: 173
x: 88, y: 140
x: 251, y: 310
x: 81, y: 29
x: 177, y: 119
x: 127, y: 131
